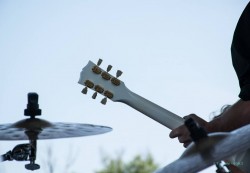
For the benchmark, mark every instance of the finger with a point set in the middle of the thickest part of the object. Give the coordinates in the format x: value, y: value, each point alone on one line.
x: 177, y: 132
x: 174, y: 133
x: 197, y: 119
x: 187, y: 144
x: 186, y: 117
x: 189, y: 116
x: 184, y: 139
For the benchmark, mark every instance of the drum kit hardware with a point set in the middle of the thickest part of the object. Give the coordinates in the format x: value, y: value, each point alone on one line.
x: 206, y: 150
x: 34, y: 129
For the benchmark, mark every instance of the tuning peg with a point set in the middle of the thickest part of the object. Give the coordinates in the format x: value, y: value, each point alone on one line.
x: 104, y: 101
x: 109, y: 68
x: 94, y: 95
x: 99, y: 62
x: 85, y: 90
x: 118, y: 73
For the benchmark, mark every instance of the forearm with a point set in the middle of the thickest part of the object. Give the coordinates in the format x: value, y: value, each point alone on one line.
x: 236, y: 116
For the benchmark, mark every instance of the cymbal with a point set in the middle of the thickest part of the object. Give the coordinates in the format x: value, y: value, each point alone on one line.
x: 35, y: 128
x: 214, y: 148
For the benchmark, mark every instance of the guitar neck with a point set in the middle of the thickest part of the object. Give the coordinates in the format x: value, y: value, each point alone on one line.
x: 152, y: 110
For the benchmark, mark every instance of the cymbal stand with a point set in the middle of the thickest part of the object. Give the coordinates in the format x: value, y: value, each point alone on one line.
x: 23, y: 152
x: 19, y: 153
x: 32, y: 111
x: 6, y: 156
x: 32, y: 156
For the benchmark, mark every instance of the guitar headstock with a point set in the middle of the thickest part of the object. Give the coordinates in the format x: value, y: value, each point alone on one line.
x: 102, y: 82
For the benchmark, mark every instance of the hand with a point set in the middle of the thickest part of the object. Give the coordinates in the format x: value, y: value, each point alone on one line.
x: 183, y: 133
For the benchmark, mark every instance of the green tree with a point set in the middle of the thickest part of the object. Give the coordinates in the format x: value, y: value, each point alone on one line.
x: 137, y: 165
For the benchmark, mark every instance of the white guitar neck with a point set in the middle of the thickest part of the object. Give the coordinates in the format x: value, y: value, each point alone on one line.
x: 152, y: 110
x: 92, y: 76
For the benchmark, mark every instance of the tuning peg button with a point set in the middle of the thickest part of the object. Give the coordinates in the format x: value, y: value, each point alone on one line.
x: 94, y: 95
x: 109, y: 68
x: 85, y: 90
x: 99, y: 62
x: 104, y: 101
x: 118, y: 73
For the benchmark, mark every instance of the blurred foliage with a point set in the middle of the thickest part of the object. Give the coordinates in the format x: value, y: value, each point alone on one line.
x: 52, y: 164
x: 137, y: 165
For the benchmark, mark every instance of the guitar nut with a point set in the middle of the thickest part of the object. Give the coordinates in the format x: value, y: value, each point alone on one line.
x: 99, y: 89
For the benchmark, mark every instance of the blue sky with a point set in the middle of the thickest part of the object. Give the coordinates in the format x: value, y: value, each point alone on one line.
x: 174, y: 53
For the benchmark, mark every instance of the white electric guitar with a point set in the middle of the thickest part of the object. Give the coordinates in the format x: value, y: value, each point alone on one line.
x: 99, y: 80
